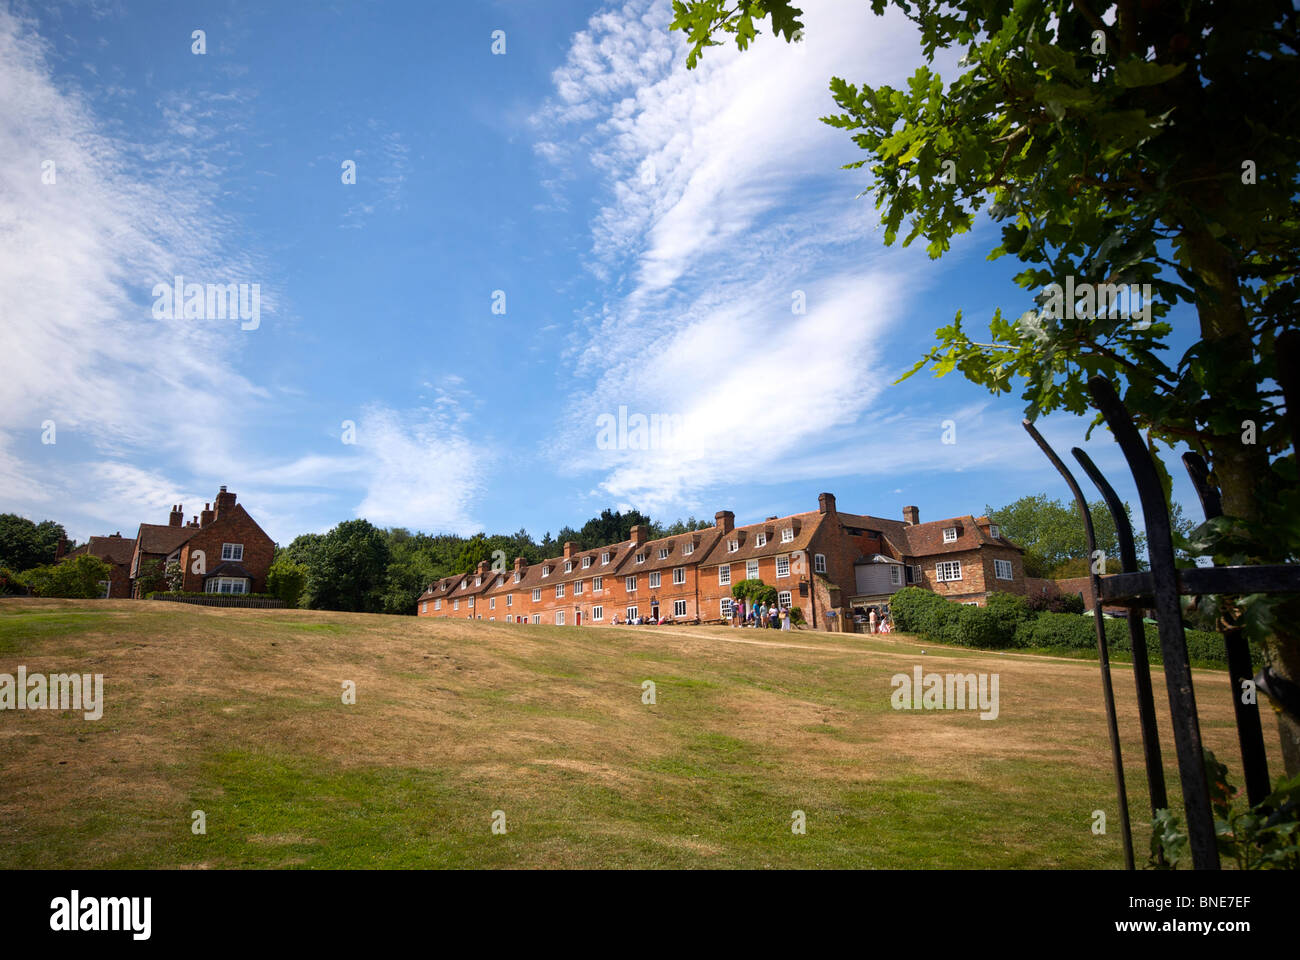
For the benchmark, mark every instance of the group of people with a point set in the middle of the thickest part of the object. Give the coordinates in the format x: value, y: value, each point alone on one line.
x: 638, y: 621
x: 761, y: 615
x: 876, y: 622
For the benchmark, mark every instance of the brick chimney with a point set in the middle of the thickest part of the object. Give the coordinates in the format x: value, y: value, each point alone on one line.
x: 826, y: 503
x: 482, y: 567
x: 911, y: 515
x: 225, y: 502
x: 724, y: 520
x: 639, y: 534
x: 569, y: 548
x: 177, y: 517
x: 207, y: 515
x: 194, y: 521
x: 61, y: 548
x: 520, y: 564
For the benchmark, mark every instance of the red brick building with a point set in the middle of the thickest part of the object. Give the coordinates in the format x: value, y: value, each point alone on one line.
x: 115, y: 550
x: 221, y: 550
x: 827, y: 563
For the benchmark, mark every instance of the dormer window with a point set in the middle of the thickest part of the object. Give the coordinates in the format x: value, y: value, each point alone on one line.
x: 688, y: 548
x: 733, y: 546
x: 586, y: 562
x: 478, y: 581
x: 760, y: 539
x: 949, y: 534
x: 787, y: 535
x: 568, y: 566
x: 994, y: 532
x: 640, y: 557
x: 518, y: 576
x: 546, y: 571
x: 604, y: 558
x: 663, y: 553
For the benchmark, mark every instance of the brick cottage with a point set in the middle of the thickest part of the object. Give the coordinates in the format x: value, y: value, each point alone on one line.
x: 830, y: 564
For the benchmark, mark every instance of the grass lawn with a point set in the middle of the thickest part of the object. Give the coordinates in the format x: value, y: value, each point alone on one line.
x: 239, y: 713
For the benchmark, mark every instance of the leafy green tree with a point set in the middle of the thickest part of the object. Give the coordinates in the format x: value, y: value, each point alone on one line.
x: 474, y: 552
x: 79, y: 577
x: 346, y: 568
x: 287, y: 580
x: 24, y: 544
x: 150, y: 577
x: 754, y: 592
x: 1083, y: 128
x: 1051, y: 533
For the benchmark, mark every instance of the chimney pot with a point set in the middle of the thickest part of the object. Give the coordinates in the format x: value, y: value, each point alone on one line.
x: 911, y: 516
x: 569, y: 547
x: 638, y: 534
x: 725, y: 520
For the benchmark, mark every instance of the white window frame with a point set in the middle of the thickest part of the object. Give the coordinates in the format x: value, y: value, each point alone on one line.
x: 679, y: 608
x: 597, y: 584
x: 944, y: 569
x: 537, y: 618
x: 918, y: 574
x: 437, y: 604
x: 679, y: 575
x: 787, y: 534
x: 586, y: 562
x: 559, y: 618
x: 751, y: 569
x: 546, y: 571
x: 108, y: 587
x: 725, y: 606
x: 471, y: 603
x: 785, y: 599
x: 999, y: 566
x: 537, y: 594
x: 577, y: 588
x: 455, y: 604
x: 559, y: 590
x: 995, y: 531
x: 632, y: 613
x: 688, y: 548
x: 232, y: 551
x: 640, y: 557
x: 629, y: 583
x: 655, y: 580
x: 597, y: 613
x: 568, y: 566
x: 760, y: 539
x: 949, y: 534
x: 510, y: 599
x: 819, y: 563
x: 733, y: 546
x: 895, y: 575
x: 724, y: 575
x: 663, y: 553
x: 779, y: 562
x: 424, y: 606
x: 604, y: 558
x: 518, y: 576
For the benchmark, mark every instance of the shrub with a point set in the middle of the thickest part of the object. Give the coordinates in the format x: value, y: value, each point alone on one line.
x: 796, y: 617
x: 287, y: 580
x: 155, y: 594
x: 917, y: 611
x: 10, y: 583
x: 77, y: 578
x: 1066, y: 603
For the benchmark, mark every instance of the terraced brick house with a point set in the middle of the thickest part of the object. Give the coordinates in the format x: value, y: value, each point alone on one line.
x: 830, y: 564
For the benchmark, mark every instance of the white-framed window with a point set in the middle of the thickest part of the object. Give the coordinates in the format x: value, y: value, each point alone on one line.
x: 725, y: 604
x: 559, y: 618
x: 518, y: 576
x: 631, y: 613
x: 948, y: 570
x: 895, y: 575
x: 784, y: 599
x: 663, y: 553
x: 437, y: 604
x: 688, y: 548
x: 586, y: 562
x: 782, y: 567
x: 679, y: 608
x: 537, y: 594
x: 577, y: 588
x: 995, y: 531
x: 106, y: 585
x: 640, y: 557
x: 918, y: 574
x: 970, y: 603
x: 760, y: 539
x: 228, y: 585
x: 949, y: 534
x: 232, y: 551
x: 724, y: 574
x: 424, y: 606
x: 655, y: 580
x: 510, y: 599
x: 478, y: 581
x: 597, y: 613
x: 629, y: 583
x: 679, y: 575
x: 568, y: 566
x: 492, y: 603
x: 597, y: 584
x: 546, y: 571
x: 1002, y: 570
x: 733, y: 546
x: 455, y: 604
x: 471, y: 603
x: 559, y: 589
x: 537, y: 618
x: 751, y: 569
x: 819, y: 563
x: 787, y: 534
x: 604, y: 558
x: 501, y: 581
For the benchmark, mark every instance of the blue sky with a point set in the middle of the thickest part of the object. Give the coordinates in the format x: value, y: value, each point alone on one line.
x: 650, y: 229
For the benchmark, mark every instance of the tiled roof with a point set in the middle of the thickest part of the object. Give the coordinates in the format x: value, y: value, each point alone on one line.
x: 112, y: 549
x: 163, y: 538
x: 703, y: 539
x: 805, y: 524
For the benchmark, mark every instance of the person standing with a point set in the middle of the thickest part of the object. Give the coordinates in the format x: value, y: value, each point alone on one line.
x: 871, y: 621
x: 785, y: 618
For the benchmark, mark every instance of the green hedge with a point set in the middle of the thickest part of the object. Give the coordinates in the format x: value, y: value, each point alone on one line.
x: 1007, y: 622
x: 163, y: 594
